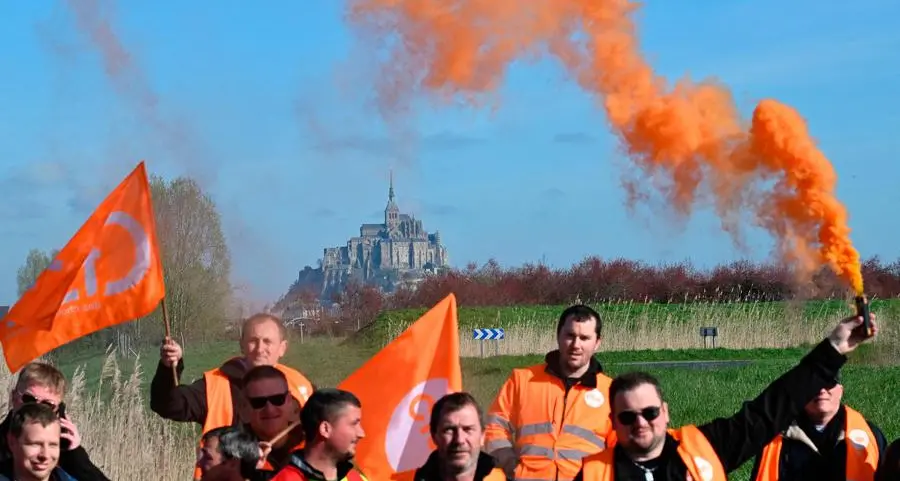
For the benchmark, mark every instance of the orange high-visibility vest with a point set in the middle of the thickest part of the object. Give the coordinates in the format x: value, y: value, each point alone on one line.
x: 553, y: 430
x: 702, y: 462
x: 220, y: 406
x: 862, y: 451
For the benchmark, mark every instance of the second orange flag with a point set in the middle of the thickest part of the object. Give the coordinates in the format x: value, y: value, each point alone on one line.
x: 398, y: 387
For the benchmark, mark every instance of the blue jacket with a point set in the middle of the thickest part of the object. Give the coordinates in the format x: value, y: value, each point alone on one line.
x: 58, y: 475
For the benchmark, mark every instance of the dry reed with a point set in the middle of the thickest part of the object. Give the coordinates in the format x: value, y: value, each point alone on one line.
x: 122, y: 436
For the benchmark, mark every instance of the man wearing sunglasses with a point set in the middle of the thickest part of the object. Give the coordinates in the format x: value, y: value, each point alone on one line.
x: 643, y: 447
x: 213, y: 400
x: 269, y: 409
x: 829, y: 441
x: 41, y: 383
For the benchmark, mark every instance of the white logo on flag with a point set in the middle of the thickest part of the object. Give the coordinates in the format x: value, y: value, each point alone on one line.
x: 408, y: 440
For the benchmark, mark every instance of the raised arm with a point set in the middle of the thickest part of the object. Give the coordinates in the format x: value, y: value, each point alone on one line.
x: 740, y: 437
x: 184, y: 403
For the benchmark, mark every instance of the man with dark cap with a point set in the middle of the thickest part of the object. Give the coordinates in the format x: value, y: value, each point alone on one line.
x: 829, y: 441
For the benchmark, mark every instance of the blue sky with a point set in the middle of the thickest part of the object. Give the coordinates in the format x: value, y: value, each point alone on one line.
x: 268, y: 109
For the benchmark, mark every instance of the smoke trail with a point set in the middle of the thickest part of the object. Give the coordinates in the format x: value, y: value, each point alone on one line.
x: 130, y: 82
x: 688, y: 134
x: 95, y: 20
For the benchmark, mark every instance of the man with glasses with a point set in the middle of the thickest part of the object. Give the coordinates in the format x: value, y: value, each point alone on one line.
x: 213, y: 400
x: 42, y: 383
x: 268, y: 409
x: 642, y: 446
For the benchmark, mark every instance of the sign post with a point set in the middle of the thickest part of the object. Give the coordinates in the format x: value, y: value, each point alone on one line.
x: 487, y: 335
x: 707, y: 332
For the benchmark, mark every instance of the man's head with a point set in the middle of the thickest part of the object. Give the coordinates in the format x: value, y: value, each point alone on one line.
x: 639, y: 415
x: 263, y: 339
x: 827, y: 401
x: 268, y: 405
x: 578, y: 336
x: 41, y: 383
x: 33, y: 440
x: 210, y: 456
x: 332, y: 420
x: 457, y: 429
x: 228, y: 451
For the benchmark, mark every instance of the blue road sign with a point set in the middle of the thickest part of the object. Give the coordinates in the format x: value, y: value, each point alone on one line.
x: 487, y: 334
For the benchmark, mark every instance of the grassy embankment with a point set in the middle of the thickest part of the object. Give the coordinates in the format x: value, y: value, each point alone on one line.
x: 131, y: 442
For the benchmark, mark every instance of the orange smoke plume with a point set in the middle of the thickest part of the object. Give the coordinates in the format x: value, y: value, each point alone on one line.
x: 685, y: 134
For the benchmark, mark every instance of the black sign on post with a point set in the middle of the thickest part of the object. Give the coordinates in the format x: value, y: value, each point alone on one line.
x: 707, y: 332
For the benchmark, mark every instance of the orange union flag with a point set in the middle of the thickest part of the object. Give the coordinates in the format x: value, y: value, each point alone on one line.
x: 397, y: 388
x: 109, y: 273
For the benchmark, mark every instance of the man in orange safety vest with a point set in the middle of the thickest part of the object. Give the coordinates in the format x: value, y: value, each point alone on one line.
x: 644, y: 447
x: 556, y: 411
x: 215, y: 399
x: 829, y: 441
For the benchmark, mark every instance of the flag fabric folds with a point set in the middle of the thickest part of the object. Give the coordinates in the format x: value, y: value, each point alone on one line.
x: 397, y: 388
x: 109, y: 273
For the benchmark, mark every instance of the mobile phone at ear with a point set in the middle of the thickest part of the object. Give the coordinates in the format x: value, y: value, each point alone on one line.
x: 862, y: 309
x: 63, y: 442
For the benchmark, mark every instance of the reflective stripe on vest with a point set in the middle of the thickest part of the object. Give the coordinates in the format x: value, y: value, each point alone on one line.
x: 862, y: 451
x: 220, y: 406
x: 698, y: 455
x: 553, y: 430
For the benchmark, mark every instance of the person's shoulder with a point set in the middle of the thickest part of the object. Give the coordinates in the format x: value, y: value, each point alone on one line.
x: 59, y: 474
x: 289, y: 472
x: 603, y: 379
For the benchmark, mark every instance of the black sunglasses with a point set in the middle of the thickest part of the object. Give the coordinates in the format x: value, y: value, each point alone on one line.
x: 275, y: 400
x: 629, y: 417
x: 29, y: 398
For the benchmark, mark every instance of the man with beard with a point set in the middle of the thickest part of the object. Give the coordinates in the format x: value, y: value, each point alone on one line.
x: 457, y: 429
x: 556, y: 411
x: 829, y: 441
x: 332, y: 426
x: 644, y: 448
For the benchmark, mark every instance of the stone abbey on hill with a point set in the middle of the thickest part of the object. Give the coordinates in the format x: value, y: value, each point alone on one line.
x: 397, y: 252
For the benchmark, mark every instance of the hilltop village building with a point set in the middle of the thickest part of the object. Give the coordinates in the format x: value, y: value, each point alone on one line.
x: 396, y: 252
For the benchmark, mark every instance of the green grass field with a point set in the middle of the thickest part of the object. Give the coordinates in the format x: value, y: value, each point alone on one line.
x: 870, y: 378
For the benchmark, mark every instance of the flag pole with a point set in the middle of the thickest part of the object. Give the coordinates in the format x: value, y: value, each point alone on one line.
x: 165, y: 313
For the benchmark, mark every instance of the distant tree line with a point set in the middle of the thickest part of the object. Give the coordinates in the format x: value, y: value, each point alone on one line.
x: 595, y: 280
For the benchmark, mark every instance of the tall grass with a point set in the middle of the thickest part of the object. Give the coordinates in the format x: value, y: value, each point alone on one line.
x: 633, y: 325
x: 122, y: 436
